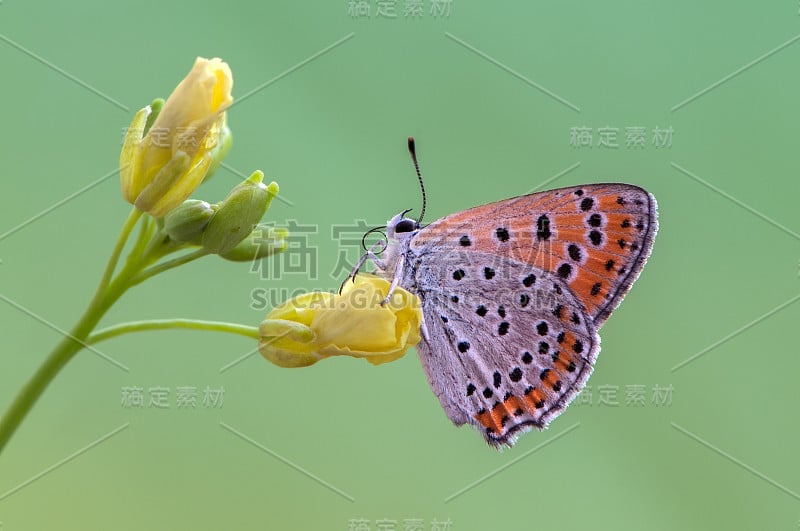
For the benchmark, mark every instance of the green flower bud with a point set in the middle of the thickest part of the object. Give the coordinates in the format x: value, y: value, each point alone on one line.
x: 238, y: 214
x: 263, y: 241
x: 186, y: 223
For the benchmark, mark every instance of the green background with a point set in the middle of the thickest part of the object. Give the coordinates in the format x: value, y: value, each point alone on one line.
x: 721, y: 455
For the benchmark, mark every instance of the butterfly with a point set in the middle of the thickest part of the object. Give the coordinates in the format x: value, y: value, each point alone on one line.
x: 513, y: 294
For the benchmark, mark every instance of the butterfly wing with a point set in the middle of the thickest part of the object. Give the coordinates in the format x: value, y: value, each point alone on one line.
x: 513, y: 294
x: 594, y: 238
x: 507, y: 346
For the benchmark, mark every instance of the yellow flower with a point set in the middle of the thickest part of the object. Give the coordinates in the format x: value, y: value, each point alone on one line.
x: 318, y: 325
x: 161, y: 169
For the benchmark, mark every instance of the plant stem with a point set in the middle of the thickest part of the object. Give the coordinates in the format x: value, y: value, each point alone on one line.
x: 169, y: 264
x: 166, y: 324
x: 150, y: 246
x: 107, y: 293
x: 127, y: 227
x: 146, y: 230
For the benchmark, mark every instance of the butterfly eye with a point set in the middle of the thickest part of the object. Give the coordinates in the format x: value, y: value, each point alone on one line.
x: 405, y: 225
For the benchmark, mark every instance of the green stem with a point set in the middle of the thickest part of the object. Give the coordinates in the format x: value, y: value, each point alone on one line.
x: 148, y: 248
x: 157, y: 247
x: 107, y: 293
x: 166, y: 324
x: 169, y: 264
x: 127, y: 227
x: 146, y: 230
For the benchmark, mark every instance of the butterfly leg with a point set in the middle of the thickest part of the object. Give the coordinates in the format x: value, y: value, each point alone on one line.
x: 398, y: 273
x: 379, y: 262
x: 372, y: 258
x: 354, y: 271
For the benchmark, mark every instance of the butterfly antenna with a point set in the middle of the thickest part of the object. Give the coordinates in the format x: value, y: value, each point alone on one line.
x: 378, y: 230
x: 413, y: 153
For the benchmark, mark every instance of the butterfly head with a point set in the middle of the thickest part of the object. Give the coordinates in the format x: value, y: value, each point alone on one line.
x: 401, y: 227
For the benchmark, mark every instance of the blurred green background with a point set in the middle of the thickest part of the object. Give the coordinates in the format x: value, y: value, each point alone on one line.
x: 492, y: 92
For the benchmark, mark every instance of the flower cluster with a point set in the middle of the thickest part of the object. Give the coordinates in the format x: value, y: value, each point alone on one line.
x: 172, y: 147
x: 168, y: 150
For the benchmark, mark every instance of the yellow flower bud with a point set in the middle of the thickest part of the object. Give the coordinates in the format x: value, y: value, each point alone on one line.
x: 317, y: 325
x: 220, y: 151
x: 160, y: 169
